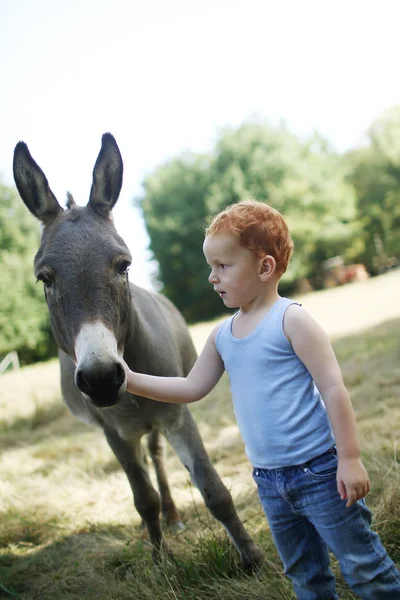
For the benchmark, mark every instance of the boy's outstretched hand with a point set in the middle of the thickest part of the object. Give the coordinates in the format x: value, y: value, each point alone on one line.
x: 352, y: 480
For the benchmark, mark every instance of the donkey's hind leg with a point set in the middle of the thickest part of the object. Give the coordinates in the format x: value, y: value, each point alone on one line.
x: 156, y: 445
x: 190, y: 448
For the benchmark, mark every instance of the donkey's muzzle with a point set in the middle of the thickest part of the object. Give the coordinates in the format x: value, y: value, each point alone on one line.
x: 104, y: 384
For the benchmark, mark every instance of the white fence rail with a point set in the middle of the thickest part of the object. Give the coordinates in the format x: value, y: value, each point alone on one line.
x: 10, y: 359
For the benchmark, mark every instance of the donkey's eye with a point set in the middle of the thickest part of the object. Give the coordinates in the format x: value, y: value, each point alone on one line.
x: 123, y: 267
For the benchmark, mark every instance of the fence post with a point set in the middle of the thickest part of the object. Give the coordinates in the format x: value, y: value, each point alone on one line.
x: 10, y: 359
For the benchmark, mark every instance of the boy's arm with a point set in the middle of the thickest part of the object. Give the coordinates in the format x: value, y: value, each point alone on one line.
x: 203, y: 377
x: 312, y: 346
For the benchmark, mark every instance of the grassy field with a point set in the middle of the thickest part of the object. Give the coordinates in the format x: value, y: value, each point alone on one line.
x: 68, y: 529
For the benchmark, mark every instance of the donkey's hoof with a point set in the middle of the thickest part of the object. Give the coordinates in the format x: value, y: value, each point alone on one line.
x: 253, y: 563
x: 176, y: 527
x: 162, y: 553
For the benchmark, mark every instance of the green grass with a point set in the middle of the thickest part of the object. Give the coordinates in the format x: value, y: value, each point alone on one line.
x: 68, y: 529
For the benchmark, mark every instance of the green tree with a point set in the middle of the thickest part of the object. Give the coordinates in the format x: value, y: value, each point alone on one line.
x: 375, y: 175
x: 24, y: 320
x: 175, y: 211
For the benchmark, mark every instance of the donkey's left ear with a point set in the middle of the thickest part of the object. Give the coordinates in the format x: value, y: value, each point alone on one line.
x: 107, y: 177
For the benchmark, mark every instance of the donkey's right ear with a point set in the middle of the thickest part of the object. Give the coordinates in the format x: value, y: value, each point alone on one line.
x: 33, y: 186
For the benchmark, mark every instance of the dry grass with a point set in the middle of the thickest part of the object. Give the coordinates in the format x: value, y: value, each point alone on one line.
x: 68, y: 529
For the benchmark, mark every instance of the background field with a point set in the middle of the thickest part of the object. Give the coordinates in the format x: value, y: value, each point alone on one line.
x: 68, y: 529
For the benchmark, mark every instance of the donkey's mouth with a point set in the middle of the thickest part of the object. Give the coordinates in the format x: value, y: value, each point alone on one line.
x: 104, y: 401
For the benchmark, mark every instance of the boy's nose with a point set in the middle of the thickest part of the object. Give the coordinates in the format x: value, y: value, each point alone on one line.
x: 211, y: 277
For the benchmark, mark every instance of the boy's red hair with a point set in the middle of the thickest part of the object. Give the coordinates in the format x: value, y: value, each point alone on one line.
x: 259, y: 227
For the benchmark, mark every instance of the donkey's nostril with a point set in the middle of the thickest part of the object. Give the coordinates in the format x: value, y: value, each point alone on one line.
x: 81, y: 382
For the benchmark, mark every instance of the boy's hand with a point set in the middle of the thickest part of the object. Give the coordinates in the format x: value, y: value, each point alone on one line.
x: 352, y: 480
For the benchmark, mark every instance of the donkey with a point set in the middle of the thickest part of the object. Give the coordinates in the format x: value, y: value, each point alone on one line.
x: 99, y: 319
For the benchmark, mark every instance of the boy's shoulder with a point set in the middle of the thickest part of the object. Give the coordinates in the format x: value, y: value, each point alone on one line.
x: 298, y: 322
x: 221, y: 326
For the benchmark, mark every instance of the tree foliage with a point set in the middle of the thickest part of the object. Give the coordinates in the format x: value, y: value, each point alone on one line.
x: 24, y: 320
x: 375, y: 175
x: 175, y: 210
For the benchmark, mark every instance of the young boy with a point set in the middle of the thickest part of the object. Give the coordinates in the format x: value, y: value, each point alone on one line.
x: 292, y: 409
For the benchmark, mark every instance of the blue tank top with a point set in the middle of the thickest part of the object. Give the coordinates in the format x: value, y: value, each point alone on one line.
x: 280, y: 413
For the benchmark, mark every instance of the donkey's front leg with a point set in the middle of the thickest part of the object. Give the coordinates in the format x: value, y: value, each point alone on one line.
x: 190, y: 448
x: 146, y: 498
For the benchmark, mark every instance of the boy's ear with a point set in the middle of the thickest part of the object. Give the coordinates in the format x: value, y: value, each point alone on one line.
x: 267, y: 266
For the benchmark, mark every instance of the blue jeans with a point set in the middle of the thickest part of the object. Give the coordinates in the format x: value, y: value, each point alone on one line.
x: 307, y: 517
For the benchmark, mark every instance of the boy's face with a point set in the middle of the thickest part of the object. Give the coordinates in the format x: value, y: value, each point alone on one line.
x: 234, y: 270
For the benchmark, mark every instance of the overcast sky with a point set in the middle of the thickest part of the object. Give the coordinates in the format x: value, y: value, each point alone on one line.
x: 165, y: 76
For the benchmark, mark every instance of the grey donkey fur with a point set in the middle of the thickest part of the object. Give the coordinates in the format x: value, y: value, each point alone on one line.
x: 98, y: 318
